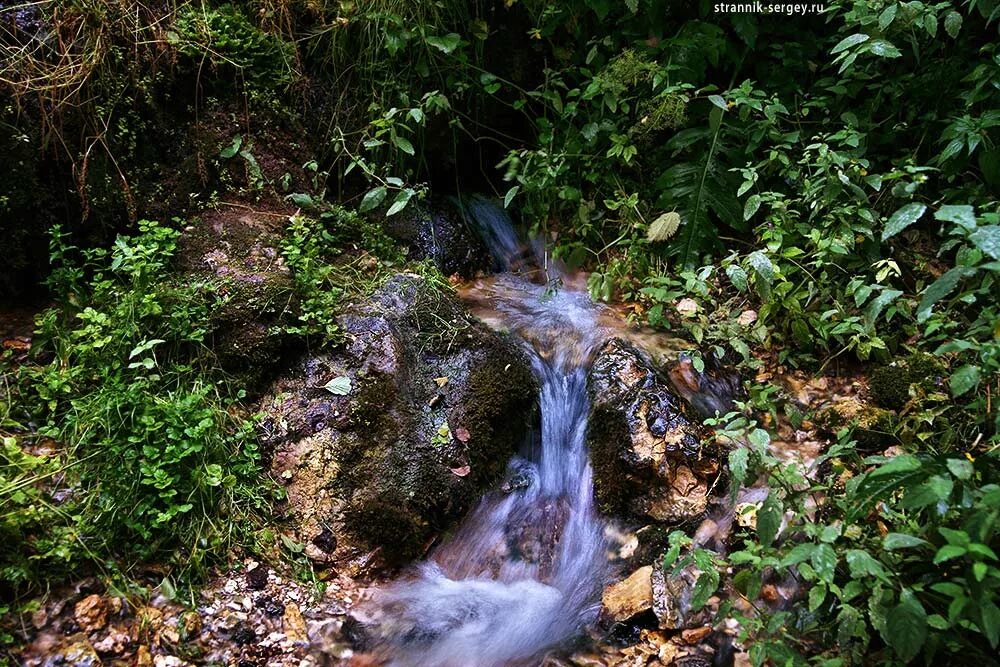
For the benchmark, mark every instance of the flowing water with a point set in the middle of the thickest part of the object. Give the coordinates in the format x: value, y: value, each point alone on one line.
x: 523, y: 573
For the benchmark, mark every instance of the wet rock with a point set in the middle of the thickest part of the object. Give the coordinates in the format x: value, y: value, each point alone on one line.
x: 873, y: 426
x: 373, y: 467
x: 293, y: 624
x: 647, y: 455
x: 629, y: 597
x: 91, y: 613
x: 256, y: 577
x: 238, y: 251
x: 441, y: 233
x: 76, y: 651
x: 672, y: 597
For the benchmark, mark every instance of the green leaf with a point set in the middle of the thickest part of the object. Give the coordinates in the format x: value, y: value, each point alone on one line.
x: 987, y: 239
x: 301, y: 199
x: 340, y: 385
x: 961, y: 214
x: 447, y: 44
x: 903, y: 218
x: 824, y: 561
x: 960, y: 468
x: 751, y: 207
x: 372, y: 199
x: 848, y: 42
x: 738, y: 467
x: 232, y: 149
x: 664, y: 227
x: 762, y: 266
x: 861, y: 564
x: 948, y: 552
x: 952, y: 23
x: 718, y: 101
x: 886, y: 17
x: 963, y: 380
x: 403, y: 144
x: 816, y: 597
x: 990, y: 622
x: 509, y: 197
x: 769, y: 519
x: 884, y: 49
x: 941, y: 288
x: 906, y: 627
x: 737, y: 276
x: 894, y: 541
x: 402, y: 199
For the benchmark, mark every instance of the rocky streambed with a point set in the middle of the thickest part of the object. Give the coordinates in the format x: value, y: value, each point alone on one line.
x: 383, y: 443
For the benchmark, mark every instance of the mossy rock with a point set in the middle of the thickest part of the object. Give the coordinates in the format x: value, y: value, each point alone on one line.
x: 893, y: 386
x: 873, y: 426
x: 428, y: 424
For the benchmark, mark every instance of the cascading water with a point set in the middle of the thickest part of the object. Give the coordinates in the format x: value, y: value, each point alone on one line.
x: 524, y: 572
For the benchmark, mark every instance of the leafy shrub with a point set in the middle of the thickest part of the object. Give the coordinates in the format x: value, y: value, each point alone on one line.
x: 160, y: 463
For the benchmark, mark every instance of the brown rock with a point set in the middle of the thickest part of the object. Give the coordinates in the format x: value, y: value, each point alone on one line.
x: 293, y: 624
x: 91, y: 613
x: 629, y: 597
x: 143, y: 657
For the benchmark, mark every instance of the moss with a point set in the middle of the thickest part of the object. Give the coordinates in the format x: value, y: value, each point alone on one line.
x: 498, y: 409
x: 893, y: 386
x: 874, y: 427
x: 385, y: 522
x: 608, y: 428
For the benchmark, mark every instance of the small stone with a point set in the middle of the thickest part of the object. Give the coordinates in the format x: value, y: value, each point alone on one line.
x: 91, y: 613
x: 695, y: 635
x: 143, y: 657
x: 629, y: 597
x: 257, y: 578
x: 79, y: 652
x: 747, y: 317
x: 294, y: 624
x: 687, y: 307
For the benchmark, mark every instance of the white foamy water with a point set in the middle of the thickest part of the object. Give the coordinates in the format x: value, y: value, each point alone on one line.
x: 524, y: 572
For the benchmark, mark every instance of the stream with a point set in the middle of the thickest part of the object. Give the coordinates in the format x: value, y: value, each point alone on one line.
x: 524, y: 572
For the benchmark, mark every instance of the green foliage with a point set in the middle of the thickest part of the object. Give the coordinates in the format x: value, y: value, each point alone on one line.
x: 225, y: 38
x: 902, y: 561
x: 157, y: 462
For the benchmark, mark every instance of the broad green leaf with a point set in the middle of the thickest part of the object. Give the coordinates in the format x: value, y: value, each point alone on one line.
x: 848, y: 42
x: 232, y: 149
x: 960, y: 468
x: 861, y: 564
x: 961, y: 214
x: 816, y: 597
x: 952, y: 24
x: 751, y: 207
x: 372, y: 199
x: 738, y: 467
x: 737, y: 276
x: 769, y: 519
x: 990, y: 622
x: 963, y: 380
x: 886, y: 17
x: 718, y: 101
x: 403, y: 144
x: 301, y: 199
x: 948, y: 552
x: 402, y: 199
x: 987, y: 239
x: 447, y: 44
x: 894, y: 541
x: 760, y: 263
x: 340, y: 385
x: 941, y: 288
x: 884, y: 49
x: 824, y: 561
x: 906, y: 627
x: 903, y: 218
x: 664, y: 227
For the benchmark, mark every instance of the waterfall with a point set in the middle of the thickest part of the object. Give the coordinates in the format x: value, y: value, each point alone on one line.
x: 524, y: 571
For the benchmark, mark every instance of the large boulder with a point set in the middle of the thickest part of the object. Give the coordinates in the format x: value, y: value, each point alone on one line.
x: 649, y: 459
x: 390, y: 438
